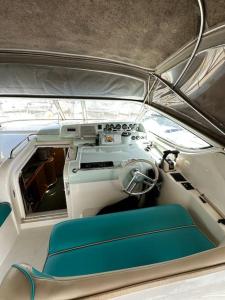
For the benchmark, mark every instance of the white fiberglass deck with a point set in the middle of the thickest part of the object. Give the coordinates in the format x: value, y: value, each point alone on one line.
x: 31, y: 247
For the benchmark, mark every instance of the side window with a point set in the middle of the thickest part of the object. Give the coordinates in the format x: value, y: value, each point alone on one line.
x: 167, y: 129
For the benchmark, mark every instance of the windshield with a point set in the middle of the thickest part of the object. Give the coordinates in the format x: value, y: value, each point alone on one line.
x: 45, y: 111
x: 17, y: 109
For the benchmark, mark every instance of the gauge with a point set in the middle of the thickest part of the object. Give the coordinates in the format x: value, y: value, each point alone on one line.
x: 124, y: 126
x: 107, y: 126
x: 133, y: 137
x: 131, y: 126
x: 126, y: 133
x: 111, y: 126
x: 137, y: 137
x: 118, y: 126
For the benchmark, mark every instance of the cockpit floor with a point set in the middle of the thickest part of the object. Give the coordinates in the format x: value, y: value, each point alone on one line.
x: 31, y: 247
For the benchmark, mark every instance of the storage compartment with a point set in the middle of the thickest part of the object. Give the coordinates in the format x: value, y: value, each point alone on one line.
x: 178, y: 177
x: 187, y: 186
x: 41, y: 181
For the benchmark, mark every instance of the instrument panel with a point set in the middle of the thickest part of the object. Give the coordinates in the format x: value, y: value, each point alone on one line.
x: 120, y: 127
x: 105, y: 133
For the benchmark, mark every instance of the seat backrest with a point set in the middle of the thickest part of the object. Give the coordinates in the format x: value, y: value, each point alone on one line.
x: 29, y: 283
x: 5, y: 210
x: 17, y: 285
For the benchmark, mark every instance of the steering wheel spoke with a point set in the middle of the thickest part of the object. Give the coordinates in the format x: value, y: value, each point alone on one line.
x: 132, y: 186
x: 147, y: 178
x: 147, y: 182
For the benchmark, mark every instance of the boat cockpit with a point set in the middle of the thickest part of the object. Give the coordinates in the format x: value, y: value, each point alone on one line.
x: 101, y: 163
x: 101, y: 199
x: 112, y: 149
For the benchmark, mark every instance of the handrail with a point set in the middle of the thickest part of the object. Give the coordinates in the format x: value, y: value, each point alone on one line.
x: 25, y: 139
x: 20, y: 143
x: 198, y: 41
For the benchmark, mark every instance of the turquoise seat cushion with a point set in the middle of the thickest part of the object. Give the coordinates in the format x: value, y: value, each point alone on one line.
x: 79, y: 232
x: 131, y: 252
x: 5, y: 209
x: 123, y: 240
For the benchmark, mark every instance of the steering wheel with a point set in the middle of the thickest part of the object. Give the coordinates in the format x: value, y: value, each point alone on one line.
x: 135, y: 177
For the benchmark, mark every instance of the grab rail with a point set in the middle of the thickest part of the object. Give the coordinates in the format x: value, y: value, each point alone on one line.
x: 20, y: 143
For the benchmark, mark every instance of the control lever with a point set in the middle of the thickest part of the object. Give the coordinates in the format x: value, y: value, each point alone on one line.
x: 168, y: 164
x: 97, y: 140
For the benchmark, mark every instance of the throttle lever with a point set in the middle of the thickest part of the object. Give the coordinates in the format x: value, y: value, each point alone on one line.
x: 169, y: 161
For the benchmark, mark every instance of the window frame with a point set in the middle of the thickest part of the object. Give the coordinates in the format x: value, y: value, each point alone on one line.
x: 207, y: 140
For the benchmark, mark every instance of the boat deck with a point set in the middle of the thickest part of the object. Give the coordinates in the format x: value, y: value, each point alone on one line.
x: 31, y: 247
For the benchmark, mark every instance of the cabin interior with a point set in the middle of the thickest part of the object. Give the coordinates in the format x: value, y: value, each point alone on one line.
x: 41, y: 181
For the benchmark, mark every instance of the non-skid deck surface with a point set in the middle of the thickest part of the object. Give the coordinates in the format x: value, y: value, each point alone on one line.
x: 30, y: 247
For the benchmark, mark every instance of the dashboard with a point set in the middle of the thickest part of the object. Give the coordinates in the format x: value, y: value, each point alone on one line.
x: 94, y: 171
x: 105, y: 133
x: 94, y: 168
x: 104, y: 145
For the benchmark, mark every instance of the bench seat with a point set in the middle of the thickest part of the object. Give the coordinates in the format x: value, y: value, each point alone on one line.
x: 123, y: 240
x: 5, y: 210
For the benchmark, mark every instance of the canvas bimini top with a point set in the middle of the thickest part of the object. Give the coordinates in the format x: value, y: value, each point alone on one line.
x: 168, y: 54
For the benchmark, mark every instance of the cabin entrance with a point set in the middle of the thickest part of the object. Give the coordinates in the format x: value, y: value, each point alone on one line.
x: 41, y: 181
